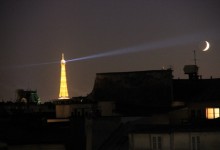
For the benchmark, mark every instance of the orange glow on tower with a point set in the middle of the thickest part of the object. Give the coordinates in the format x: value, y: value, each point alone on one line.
x: 63, y: 81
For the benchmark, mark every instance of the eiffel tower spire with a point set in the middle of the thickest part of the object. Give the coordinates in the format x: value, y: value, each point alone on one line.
x: 63, y: 81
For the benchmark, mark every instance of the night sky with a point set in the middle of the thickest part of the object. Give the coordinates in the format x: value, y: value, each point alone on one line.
x: 142, y: 34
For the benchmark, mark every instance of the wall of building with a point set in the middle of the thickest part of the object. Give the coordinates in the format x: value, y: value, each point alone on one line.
x: 181, y: 141
x: 144, y: 141
x: 63, y: 111
x: 139, y: 141
x: 106, y: 108
x: 210, y: 140
x: 102, y: 129
x: 179, y: 116
x: 176, y: 141
x: 67, y: 110
x: 37, y: 147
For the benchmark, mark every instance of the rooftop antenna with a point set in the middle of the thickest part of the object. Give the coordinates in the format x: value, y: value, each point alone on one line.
x: 192, y: 70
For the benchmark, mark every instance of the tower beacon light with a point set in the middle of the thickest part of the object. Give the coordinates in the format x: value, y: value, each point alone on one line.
x: 63, y: 81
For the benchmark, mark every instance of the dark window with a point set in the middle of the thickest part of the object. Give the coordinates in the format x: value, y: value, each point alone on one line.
x: 195, y: 143
x: 156, y: 143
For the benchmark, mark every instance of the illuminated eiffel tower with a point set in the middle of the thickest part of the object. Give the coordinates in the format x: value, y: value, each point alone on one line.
x: 63, y: 81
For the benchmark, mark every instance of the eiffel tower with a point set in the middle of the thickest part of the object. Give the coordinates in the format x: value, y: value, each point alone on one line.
x: 63, y: 81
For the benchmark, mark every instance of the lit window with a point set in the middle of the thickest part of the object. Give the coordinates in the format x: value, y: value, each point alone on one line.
x: 212, y: 113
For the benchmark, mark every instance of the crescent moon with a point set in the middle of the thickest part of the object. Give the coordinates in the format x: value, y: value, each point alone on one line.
x: 207, y: 46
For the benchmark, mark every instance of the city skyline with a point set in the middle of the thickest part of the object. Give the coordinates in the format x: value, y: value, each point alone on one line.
x: 102, y: 36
